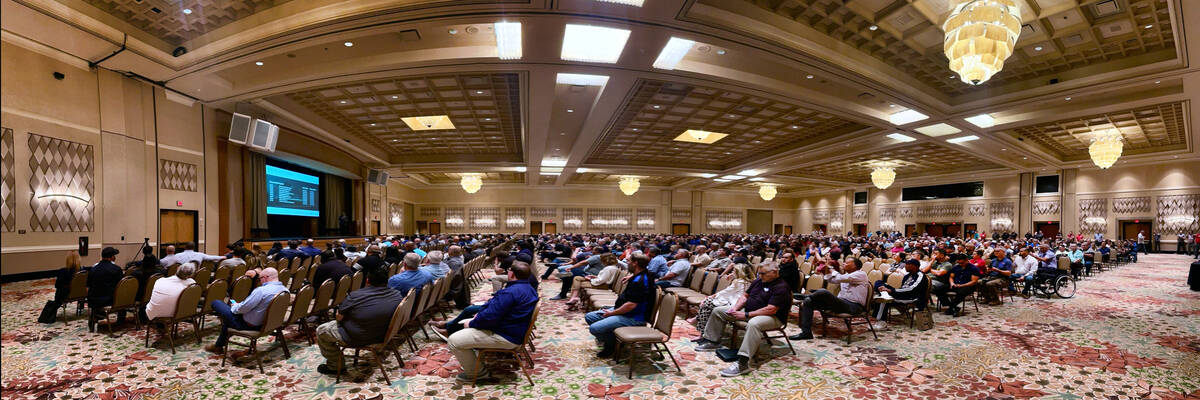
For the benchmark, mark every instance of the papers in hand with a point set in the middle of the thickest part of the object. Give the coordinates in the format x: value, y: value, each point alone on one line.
x: 885, y: 295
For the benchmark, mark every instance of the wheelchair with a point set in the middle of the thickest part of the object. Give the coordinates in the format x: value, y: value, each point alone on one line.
x: 1055, y: 282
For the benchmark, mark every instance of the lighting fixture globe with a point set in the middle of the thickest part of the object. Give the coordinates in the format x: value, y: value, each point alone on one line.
x: 471, y: 183
x: 767, y: 192
x: 883, y: 177
x: 980, y: 35
x: 1106, y: 148
x: 629, y: 185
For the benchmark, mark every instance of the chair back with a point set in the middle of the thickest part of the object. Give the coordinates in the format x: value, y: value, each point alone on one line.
x: 299, y: 277
x: 399, y: 318
x: 216, y: 291
x: 126, y: 292
x: 202, y: 277
x: 285, y: 277
x: 312, y: 272
x: 356, y: 281
x: 79, y: 285
x: 171, y: 269
x: 710, y: 282
x: 806, y: 268
x: 406, y: 307
x: 276, y: 311
x: 664, y: 320
x: 532, y: 321
x: 222, y: 272
x: 834, y: 288
x: 697, y: 279
x: 207, y: 265
x: 238, y: 270
x: 324, y: 295
x: 146, y: 291
x: 339, y: 292
x: 874, y: 275
x: 241, y: 288
x: 294, y: 262
x: 421, y: 298
x: 814, y: 282
x: 1064, y: 264
x: 895, y: 280
x: 301, y: 305
x: 188, y: 299
x: 723, y: 283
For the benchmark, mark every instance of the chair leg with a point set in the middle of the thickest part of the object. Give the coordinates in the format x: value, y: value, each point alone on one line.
x: 781, y: 333
x: 849, y: 330
x: 283, y: 341
x: 669, y: 354
x: 396, y: 352
x: 224, y: 354
x: 257, y: 356
x: 524, y: 370
x: 172, y: 333
x: 632, y: 352
x: 148, y: 324
x: 341, y: 366
x: 379, y: 362
x: 872, y: 328
x: 196, y: 327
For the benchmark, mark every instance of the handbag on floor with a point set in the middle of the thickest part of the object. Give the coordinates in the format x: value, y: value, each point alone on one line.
x: 49, y: 312
x: 923, y: 320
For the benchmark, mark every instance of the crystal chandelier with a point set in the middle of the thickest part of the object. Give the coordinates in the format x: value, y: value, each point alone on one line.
x: 471, y: 183
x: 980, y: 35
x: 767, y: 192
x: 629, y: 185
x: 1106, y: 148
x: 883, y: 177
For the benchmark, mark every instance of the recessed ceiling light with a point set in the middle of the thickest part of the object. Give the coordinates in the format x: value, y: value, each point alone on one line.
x: 348, y: 44
x: 673, y: 53
x: 1003, y: 149
x: 699, y: 136
x: 570, y: 110
x: 964, y: 139
x: 258, y: 63
x: 635, y: 129
x: 732, y: 177
x: 581, y: 79
x: 795, y: 126
x: 372, y: 124
x: 900, y: 137
x: 750, y: 172
x: 757, y: 179
x: 873, y: 27
x: 707, y: 175
x: 508, y: 40
x: 588, y: 43
x: 808, y: 76
x: 522, y: 169
x: 906, y: 117
x: 562, y: 134
x: 721, y: 180
x: 342, y: 102
x: 550, y: 171
x: 478, y: 92
x: 487, y: 119
x: 554, y: 162
x: 1037, y: 48
x: 395, y: 97
x: 1067, y: 99
x: 982, y: 120
x: 581, y: 170
x: 891, y: 105
x: 1024, y: 158
x: 657, y: 107
x: 721, y: 52
x: 395, y: 140
x: 556, y: 149
x: 1157, y: 82
x: 936, y: 130
x: 1148, y: 26
x: 728, y: 153
x: 453, y: 31
x: 635, y: 3
x: 187, y: 11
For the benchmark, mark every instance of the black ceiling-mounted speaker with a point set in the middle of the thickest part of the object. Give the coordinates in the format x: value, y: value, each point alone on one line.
x: 264, y: 135
x: 179, y: 51
x: 239, y: 128
x: 377, y: 177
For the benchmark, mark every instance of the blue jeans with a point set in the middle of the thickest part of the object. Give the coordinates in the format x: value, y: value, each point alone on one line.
x: 455, y: 324
x: 602, y: 328
x: 664, y: 284
x: 228, y: 320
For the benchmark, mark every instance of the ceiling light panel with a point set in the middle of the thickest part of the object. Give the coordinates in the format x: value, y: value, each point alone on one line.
x: 900, y: 137
x: 964, y: 139
x: 595, y: 44
x: 581, y: 79
x: 508, y: 40
x: 673, y: 53
x: 938, y: 130
x: 635, y: 3
x: 750, y: 172
x: 554, y: 162
x: 428, y: 123
x: 982, y: 120
x: 699, y: 136
x: 906, y: 117
x: 732, y: 177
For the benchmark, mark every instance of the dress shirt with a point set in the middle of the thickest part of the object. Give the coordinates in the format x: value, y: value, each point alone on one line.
x: 187, y: 256
x: 254, y: 309
x: 438, y: 271
x: 165, y: 296
x: 1051, y: 260
x: 1076, y: 256
x: 606, y: 275
x: 1025, y: 266
x: 658, y: 266
x: 455, y: 263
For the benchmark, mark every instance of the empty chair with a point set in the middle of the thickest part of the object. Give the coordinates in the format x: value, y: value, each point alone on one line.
x: 215, y: 291
x: 185, y: 311
x: 300, y: 308
x: 339, y: 292
x: 222, y: 272
x: 320, y: 304
x: 285, y: 277
x: 242, y: 285
x: 273, y: 324
x: 238, y: 270
x: 356, y: 281
x: 202, y: 277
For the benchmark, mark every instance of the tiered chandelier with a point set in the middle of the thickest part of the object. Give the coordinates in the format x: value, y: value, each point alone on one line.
x: 883, y: 177
x: 1106, y: 148
x: 767, y: 191
x: 980, y: 35
x: 629, y: 185
x: 471, y: 183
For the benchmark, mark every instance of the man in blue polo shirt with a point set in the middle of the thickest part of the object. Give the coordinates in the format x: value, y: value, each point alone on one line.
x: 500, y: 324
x: 412, y: 278
x: 249, y: 314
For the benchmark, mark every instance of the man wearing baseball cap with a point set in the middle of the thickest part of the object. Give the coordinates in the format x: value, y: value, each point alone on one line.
x: 102, y: 285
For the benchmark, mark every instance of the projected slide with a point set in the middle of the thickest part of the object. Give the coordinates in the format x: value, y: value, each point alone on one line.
x: 291, y: 193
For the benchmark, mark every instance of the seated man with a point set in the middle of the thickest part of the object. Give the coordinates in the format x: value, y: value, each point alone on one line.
x: 249, y: 314
x: 102, y: 285
x: 500, y: 324
x: 963, y: 280
x: 363, y: 318
x: 331, y: 268
x: 1076, y: 257
x: 591, y: 265
x: 603, y: 280
x: 633, y: 307
x: 677, y: 270
x: 998, y: 271
x: 939, y: 272
x: 851, y: 299
x: 1025, y: 267
x: 444, y: 329
x: 911, y: 291
x: 434, y: 266
x: 411, y: 279
x: 764, y: 306
x: 167, y: 290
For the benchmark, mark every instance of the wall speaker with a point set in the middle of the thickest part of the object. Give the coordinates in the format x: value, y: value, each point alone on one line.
x: 264, y: 135
x: 239, y: 128
x: 377, y: 177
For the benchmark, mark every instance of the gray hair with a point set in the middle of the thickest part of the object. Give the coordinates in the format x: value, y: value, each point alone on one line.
x: 768, y: 266
x: 186, y: 271
x: 434, y: 257
x: 412, y: 261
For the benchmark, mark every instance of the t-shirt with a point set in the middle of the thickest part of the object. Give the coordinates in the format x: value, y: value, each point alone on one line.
x: 681, y: 268
x: 366, y: 314
x: 962, y: 274
x: 761, y: 294
x: 942, y: 266
x: 640, y: 290
x: 165, y: 296
x: 594, y: 266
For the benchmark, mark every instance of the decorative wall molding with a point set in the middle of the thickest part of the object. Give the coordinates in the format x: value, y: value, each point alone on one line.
x: 375, y: 205
x: 1093, y: 215
x: 430, y: 212
x: 976, y: 210
x: 484, y: 217
x: 396, y: 216
x: 646, y: 219
x: 723, y: 220
x: 940, y: 211
x: 1178, y: 214
x: 1001, y: 215
x: 514, y: 218
x: 456, y: 217
x: 681, y: 213
x: 572, y: 217
x: 1045, y: 207
x: 178, y: 175
x: 1131, y: 205
x: 610, y: 218
x: 860, y: 214
x: 543, y: 213
x: 62, y: 184
x: 887, y: 219
x: 821, y: 215
x: 905, y: 212
x: 8, y: 183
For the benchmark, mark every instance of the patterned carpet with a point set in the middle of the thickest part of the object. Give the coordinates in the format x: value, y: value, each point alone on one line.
x: 1128, y: 333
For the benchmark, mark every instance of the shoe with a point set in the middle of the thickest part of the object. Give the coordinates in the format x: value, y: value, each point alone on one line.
x: 212, y: 348
x: 879, y: 326
x: 954, y: 312
x: 735, y: 370
x: 801, y: 336
x: 572, y: 301
x: 949, y: 311
x: 707, y: 346
x: 606, y: 353
x: 438, y: 324
x: 441, y: 334
x: 558, y: 297
x: 466, y: 378
x: 699, y: 339
x: 327, y: 370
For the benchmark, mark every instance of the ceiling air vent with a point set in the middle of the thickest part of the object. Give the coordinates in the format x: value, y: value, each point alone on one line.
x: 1106, y: 8
x: 1027, y: 29
x: 1073, y: 40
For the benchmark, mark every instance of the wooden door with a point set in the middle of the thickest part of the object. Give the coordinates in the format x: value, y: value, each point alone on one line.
x: 969, y: 230
x: 860, y: 229
x: 953, y: 230
x: 535, y: 227
x: 787, y: 229
x: 935, y: 230
x: 681, y: 229
x: 435, y: 228
x: 1130, y: 229
x: 422, y: 227
x: 820, y: 227
x: 910, y: 229
x: 1049, y: 229
x: 550, y: 228
x: 176, y: 226
x: 778, y: 229
x: 374, y: 228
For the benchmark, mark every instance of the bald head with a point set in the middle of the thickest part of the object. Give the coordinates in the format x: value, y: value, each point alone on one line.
x: 268, y: 275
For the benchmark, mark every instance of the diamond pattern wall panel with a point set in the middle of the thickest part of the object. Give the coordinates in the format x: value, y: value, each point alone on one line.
x: 606, y: 219
x: 1178, y: 214
x: 681, y: 214
x: 860, y: 214
x: 976, y: 210
x: 837, y: 220
x: 643, y: 132
x: 514, y: 217
x: 543, y: 213
x: 940, y: 211
x: 821, y: 215
x: 62, y: 185
x: 1002, y: 216
x: 723, y: 220
x: 8, y: 185
x: 646, y: 219
x: 375, y: 205
x: 484, y: 218
x: 1131, y: 205
x: 456, y: 217
x: 1045, y: 207
x: 887, y: 219
x: 572, y: 218
x: 177, y: 175
x: 1093, y: 215
x: 1152, y: 128
x: 430, y: 212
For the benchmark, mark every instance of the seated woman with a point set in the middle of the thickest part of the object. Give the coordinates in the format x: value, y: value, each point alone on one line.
x: 603, y: 280
x: 742, y: 274
x: 62, y: 282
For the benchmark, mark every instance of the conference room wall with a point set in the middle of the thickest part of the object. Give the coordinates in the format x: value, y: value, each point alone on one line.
x: 131, y: 127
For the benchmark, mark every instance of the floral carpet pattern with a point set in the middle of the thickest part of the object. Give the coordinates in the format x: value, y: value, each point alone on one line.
x: 1133, y: 332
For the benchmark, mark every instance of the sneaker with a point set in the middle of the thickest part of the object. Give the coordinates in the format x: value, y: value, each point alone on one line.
x: 735, y: 370
x: 327, y: 370
x: 707, y: 346
x: 467, y: 378
x: 558, y: 297
x: 699, y: 339
x: 879, y: 326
x: 801, y: 336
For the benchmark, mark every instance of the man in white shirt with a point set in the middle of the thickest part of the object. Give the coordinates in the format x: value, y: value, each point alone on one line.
x: 167, y: 290
x: 852, y: 298
x: 1025, y: 268
x: 701, y: 259
x: 189, y: 254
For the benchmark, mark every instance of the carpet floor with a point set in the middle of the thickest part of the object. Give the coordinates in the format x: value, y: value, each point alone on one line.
x: 1133, y: 332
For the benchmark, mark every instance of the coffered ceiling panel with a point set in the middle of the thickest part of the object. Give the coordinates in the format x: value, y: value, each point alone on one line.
x: 484, y: 108
x: 909, y: 161
x: 177, y: 22
x: 597, y: 178
x: 1153, y: 128
x: 907, y: 34
x: 456, y: 177
x: 753, y: 186
x: 657, y: 112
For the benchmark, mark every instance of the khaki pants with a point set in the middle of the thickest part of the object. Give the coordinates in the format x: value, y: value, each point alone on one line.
x: 498, y: 282
x: 991, y: 289
x: 583, y: 283
x: 330, y: 341
x: 753, y: 337
x: 464, y: 343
